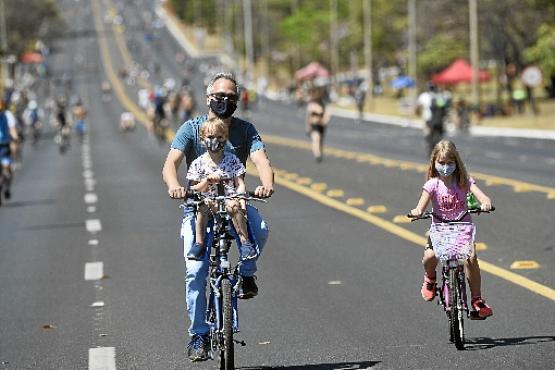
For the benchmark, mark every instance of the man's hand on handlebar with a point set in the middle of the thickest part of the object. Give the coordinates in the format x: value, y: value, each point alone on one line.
x: 263, y: 191
x: 177, y: 192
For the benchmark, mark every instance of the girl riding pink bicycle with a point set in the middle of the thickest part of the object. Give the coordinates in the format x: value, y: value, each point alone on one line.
x: 447, y: 187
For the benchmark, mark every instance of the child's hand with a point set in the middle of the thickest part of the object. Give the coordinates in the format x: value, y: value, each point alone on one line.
x: 213, y: 178
x: 416, y: 212
x: 486, y: 206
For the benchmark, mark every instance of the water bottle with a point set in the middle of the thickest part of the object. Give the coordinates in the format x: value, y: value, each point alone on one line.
x: 472, y: 202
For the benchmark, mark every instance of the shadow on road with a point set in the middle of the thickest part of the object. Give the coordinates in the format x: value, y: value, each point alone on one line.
x: 336, y: 366
x: 487, y: 343
x: 55, y: 226
x: 27, y: 203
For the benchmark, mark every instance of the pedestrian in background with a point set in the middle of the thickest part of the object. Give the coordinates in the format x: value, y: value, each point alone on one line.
x: 317, y: 119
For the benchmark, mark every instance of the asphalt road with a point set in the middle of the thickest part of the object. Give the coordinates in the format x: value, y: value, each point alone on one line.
x: 339, y: 284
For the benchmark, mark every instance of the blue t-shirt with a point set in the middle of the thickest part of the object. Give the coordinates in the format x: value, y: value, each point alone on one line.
x: 243, y: 139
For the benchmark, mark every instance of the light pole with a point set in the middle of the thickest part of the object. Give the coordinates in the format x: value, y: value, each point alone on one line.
x: 367, y: 8
x: 412, y: 49
x: 474, y: 53
x: 4, y: 42
x: 333, y: 40
x: 247, y: 15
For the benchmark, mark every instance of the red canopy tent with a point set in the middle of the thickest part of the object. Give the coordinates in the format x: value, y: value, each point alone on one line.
x: 311, y: 71
x: 29, y: 58
x: 458, y: 71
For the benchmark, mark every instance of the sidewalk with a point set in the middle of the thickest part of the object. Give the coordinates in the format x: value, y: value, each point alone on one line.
x: 176, y: 30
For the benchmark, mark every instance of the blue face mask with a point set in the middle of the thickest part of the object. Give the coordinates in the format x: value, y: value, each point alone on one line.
x: 445, y: 169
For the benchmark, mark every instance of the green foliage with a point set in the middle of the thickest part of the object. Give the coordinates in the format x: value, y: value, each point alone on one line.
x: 438, y: 52
x: 543, y: 51
x: 308, y: 30
x: 39, y: 20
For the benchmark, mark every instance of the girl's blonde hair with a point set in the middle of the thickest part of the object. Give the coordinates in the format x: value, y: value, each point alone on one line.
x: 214, y: 126
x: 447, y: 149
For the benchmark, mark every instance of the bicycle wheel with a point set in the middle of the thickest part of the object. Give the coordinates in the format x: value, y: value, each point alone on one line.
x: 227, y: 354
x: 456, y: 324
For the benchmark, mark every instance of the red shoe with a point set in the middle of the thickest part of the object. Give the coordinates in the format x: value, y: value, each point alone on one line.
x: 482, y: 309
x: 428, y: 290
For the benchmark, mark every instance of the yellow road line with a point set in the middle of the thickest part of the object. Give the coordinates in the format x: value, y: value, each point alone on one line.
x: 117, y: 86
x: 122, y: 46
x: 518, y: 186
x: 407, y: 234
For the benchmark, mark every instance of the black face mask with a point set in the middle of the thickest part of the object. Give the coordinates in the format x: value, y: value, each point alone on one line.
x: 223, y: 108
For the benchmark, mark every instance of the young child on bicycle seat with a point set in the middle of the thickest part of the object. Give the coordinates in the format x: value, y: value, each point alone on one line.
x: 205, y: 173
x: 447, y: 186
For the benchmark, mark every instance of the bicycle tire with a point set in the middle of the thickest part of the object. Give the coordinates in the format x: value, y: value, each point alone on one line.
x: 455, y: 319
x: 227, y: 354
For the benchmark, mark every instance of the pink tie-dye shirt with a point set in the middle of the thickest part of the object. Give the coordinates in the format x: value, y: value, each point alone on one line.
x: 448, y: 202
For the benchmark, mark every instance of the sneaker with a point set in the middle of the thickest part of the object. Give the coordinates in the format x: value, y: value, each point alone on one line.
x: 483, y: 310
x: 196, y: 252
x: 248, y: 288
x: 247, y: 251
x: 198, y: 348
x: 428, y: 290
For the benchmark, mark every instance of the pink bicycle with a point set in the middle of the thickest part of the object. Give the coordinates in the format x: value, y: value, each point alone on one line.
x: 452, y: 241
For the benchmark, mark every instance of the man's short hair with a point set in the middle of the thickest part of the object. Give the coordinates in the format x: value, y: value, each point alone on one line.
x: 219, y: 75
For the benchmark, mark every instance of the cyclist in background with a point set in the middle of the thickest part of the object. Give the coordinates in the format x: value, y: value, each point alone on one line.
x: 63, y: 135
x: 244, y: 141
x: 433, y: 108
x: 447, y: 188
x: 8, y: 135
x: 79, y: 114
x: 33, y: 118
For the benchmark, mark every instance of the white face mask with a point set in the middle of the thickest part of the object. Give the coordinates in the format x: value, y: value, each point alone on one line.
x: 445, y: 169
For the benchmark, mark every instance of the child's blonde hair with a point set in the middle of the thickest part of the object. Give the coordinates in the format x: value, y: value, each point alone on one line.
x: 447, y: 149
x: 214, y: 126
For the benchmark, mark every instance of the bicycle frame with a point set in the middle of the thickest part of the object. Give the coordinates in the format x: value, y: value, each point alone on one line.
x: 220, y: 268
x: 224, y: 280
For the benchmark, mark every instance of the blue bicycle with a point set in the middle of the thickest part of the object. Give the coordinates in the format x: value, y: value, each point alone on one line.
x: 224, y: 279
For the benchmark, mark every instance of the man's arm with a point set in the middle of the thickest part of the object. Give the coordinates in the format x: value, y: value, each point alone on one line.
x: 265, y: 172
x: 169, y: 173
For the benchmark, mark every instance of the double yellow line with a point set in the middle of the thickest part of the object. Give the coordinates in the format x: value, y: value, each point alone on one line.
x: 321, y: 198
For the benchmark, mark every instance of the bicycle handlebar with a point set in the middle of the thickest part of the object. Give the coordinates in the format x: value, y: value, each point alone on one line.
x: 248, y: 195
x: 429, y: 214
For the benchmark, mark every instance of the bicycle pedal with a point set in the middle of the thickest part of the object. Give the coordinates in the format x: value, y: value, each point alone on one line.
x: 241, y: 342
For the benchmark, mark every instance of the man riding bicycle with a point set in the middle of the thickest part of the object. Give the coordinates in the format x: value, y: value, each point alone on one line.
x: 244, y: 141
x: 8, y: 134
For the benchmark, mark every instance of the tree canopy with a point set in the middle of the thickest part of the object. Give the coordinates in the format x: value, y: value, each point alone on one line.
x: 290, y: 33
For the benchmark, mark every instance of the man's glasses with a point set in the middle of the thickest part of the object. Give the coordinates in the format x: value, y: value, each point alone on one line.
x: 222, y: 96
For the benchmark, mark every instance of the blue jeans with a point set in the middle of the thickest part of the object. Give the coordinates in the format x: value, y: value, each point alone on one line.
x: 197, y: 271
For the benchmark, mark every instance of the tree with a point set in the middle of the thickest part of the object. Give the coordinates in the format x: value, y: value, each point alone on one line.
x: 39, y: 20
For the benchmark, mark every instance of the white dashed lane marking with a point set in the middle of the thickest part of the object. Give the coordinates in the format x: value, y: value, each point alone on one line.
x: 102, y: 358
x: 94, y: 270
x: 88, y: 174
x: 91, y: 198
x: 93, y: 225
